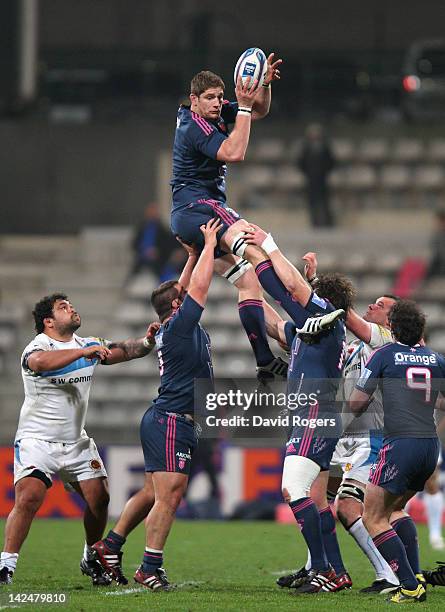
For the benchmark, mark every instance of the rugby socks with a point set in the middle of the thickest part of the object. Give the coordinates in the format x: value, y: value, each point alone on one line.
x: 152, y: 560
x: 382, y: 570
x: 114, y: 541
x: 272, y: 284
x: 308, y: 561
x: 9, y: 560
x: 407, y: 532
x: 392, y: 549
x: 434, y: 511
x: 330, y: 541
x: 251, y: 313
x: 308, y: 519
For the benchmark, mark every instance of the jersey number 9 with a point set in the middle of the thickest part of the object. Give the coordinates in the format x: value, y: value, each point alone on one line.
x: 419, y: 379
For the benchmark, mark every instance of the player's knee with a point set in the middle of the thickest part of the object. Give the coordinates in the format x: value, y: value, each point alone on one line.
x: 350, y: 493
x: 298, y: 475
x: 348, y: 511
x: 29, y: 501
x: 236, y: 274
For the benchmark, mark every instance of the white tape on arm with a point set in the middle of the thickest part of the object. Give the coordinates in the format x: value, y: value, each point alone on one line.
x: 268, y: 244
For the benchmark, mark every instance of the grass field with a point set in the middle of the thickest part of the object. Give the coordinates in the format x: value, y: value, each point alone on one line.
x: 230, y: 566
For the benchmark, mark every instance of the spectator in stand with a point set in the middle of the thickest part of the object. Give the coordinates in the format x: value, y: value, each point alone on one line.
x: 155, y: 248
x: 316, y: 161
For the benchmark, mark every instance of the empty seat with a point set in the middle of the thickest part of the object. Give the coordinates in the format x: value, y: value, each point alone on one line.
x: 395, y: 177
x: 408, y: 150
x: 343, y: 149
x: 290, y: 178
x: 269, y: 149
x: 258, y: 177
x: 133, y: 313
x: 361, y: 177
x: 436, y: 341
x: 141, y: 286
x: 434, y: 313
x: 373, y: 150
x: 429, y: 178
x: 374, y: 286
x: 436, y: 150
x: 338, y: 179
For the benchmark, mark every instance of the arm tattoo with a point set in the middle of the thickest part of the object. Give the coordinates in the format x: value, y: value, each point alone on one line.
x: 132, y: 348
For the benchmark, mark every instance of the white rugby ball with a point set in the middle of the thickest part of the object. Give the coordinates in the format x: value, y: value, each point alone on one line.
x: 252, y: 63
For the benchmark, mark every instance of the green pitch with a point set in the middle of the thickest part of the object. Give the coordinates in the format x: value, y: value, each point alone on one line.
x: 218, y: 566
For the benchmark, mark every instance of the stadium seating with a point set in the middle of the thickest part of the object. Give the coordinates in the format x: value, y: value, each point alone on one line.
x: 385, y: 172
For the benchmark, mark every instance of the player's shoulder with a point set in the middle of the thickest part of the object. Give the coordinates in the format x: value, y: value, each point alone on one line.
x: 380, y: 335
x: 381, y: 353
x: 90, y: 340
x: 41, y: 342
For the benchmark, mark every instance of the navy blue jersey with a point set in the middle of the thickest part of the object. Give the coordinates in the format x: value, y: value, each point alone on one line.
x: 324, y: 358
x: 184, y: 354
x: 410, y: 379
x: 197, y: 174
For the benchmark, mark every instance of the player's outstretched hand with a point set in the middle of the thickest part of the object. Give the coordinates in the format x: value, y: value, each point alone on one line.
x: 152, y: 330
x: 311, y: 265
x: 190, y: 248
x: 273, y: 71
x: 254, y: 235
x: 210, y: 230
x: 96, y: 352
x: 245, y: 94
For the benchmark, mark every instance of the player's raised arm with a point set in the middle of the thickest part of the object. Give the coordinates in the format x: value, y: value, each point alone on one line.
x: 261, y: 104
x: 358, y: 326
x: 133, y: 348
x: 233, y: 148
x: 203, y: 271
x: 287, y: 272
x: 186, y: 274
x: 45, y: 361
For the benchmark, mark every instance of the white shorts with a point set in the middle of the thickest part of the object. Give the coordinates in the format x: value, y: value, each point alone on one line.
x: 354, y: 457
x: 71, y: 462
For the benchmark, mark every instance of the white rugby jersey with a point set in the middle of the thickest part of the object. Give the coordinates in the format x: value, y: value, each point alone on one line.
x: 56, y: 401
x: 358, y: 354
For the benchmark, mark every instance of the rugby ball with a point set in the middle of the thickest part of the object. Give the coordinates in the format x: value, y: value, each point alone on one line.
x: 252, y: 63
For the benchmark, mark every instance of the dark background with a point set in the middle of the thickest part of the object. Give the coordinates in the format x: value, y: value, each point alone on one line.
x: 110, y: 73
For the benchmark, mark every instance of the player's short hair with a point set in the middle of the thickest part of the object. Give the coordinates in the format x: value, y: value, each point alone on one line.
x: 337, y: 289
x: 205, y: 80
x: 407, y: 322
x: 44, y: 309
x: 162, y: 298
x: 390, y: 296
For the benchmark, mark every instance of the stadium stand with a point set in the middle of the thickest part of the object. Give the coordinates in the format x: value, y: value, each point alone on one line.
x: 99, y: 261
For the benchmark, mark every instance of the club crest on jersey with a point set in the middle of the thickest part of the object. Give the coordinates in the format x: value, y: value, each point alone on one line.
x: 158, y: 340
x: 95, y: 464
x: 319, y: 301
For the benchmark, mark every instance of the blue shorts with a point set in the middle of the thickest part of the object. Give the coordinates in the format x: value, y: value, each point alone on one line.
x: 186, y: 222
x: 168, y: 441
x: 405, y: 464
x: 315, y: 433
